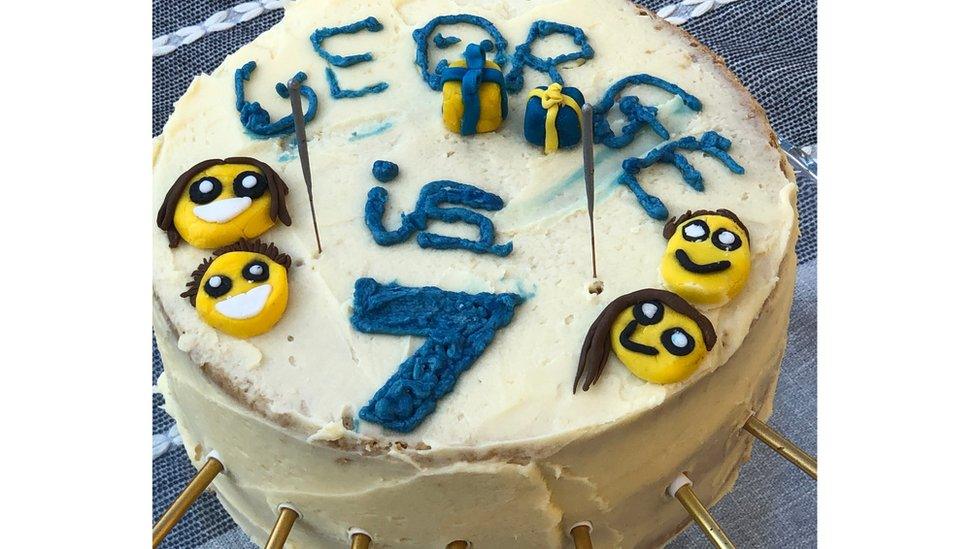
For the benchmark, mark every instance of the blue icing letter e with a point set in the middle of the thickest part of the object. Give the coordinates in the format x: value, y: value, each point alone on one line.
x: 318, y: 37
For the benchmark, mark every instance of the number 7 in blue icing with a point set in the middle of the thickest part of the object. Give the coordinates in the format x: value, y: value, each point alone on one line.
x: 458, y: 327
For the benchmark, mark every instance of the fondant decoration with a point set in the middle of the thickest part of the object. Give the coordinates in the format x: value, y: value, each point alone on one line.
x: 242, y: 290
x: 710, y: 143
x: 474, y: 97
x: 422, y: 35
x: 432, y: 197
x: 318, y: 38
x: 637, y: 114
x: 657, y: 335
x: 707, y: 259
x: 218, y: 202
x: 523, y: 55
x: 255, y: 119
x: 385, y: 171
x: 458, y: 327
x: 553, y: 117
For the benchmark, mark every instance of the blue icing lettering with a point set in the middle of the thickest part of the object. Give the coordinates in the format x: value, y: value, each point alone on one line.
x: 429, y: 206
x: 637, y: 114
x: 422, y: 35
x: 523, y: 55
x: 255, y: 119
x: 318, y: 38
x: 711, y: 143
x: 458, y: 327
x: 385, y: 171
x: 370, y: 131
x: 442, y: 41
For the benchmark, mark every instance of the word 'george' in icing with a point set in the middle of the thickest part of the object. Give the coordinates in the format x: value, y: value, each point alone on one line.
x: 318, y: 38
x: 256, y: 119
x: 710, y: 143
x: 523, y: 55
x: 458, y: 327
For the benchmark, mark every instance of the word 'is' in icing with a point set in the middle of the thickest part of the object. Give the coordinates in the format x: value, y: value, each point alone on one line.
x: 432, y: 197
x: 318, y: 38
x: 242, y: 290
x: 218, y: 202
x: 458, y: 327
x: 385, y: 171
x: 656, y: 334
x: 707, y: 259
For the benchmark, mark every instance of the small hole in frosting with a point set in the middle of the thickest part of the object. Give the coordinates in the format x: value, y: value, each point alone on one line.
x: 596, y: 287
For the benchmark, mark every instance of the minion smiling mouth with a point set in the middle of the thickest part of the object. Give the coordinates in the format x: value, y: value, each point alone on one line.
x: 222, y: 211
x: 700, y: 268
x: 245, y: 305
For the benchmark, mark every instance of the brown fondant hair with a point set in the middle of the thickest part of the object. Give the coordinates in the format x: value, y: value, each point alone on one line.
x: 276, y: 188
x: 596, y: 346
x: 268, y: 250
x: 672, y: 224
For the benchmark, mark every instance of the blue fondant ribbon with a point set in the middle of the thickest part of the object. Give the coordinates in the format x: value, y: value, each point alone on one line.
x: 458, y: 327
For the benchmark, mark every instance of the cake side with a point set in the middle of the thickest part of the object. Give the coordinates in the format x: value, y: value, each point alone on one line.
x: 406, y: 497
x: 518, y: 391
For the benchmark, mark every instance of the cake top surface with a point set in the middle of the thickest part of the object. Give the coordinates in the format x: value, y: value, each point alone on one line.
x: 319, y: 365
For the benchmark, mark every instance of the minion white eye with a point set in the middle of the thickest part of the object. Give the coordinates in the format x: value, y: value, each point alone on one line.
x: 695, y: 231
x: 206, y: 186
x: 649, y: 309
x: 725, y: 237
x: 214, y: 282
x: 679, y: 339
x: 249, y: 181
x: 256, y: 270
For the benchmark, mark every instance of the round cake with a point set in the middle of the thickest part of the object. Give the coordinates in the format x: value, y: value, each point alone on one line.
x: 448, y: 367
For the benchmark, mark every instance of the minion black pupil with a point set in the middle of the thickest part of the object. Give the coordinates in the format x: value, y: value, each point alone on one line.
x: 256, y: 271
x: 726, y: 240
x: 648, y: 313
x: 217, y: 285
x: 250, y: 184
x: 695, y: 231
x: 205, y: 190
x: 677, y: 341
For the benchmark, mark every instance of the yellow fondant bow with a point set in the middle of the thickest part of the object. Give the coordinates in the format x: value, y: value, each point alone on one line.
x: 552, y: 98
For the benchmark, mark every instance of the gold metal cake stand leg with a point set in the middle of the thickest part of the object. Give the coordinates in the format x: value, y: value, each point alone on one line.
x: 709, y: 527
x: 360, y: 541
x: 177, y: 509
x: 581, y: 536
x: 279, y: 534
x: 782, y: 446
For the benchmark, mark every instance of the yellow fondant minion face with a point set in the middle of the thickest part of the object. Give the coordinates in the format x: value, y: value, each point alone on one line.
x: 218, y: 202
x: 243, y: 289
x: 656, y: 334
x: 707, y: 259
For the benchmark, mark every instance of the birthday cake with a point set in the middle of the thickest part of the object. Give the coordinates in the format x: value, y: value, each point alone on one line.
x: 448, y: 367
